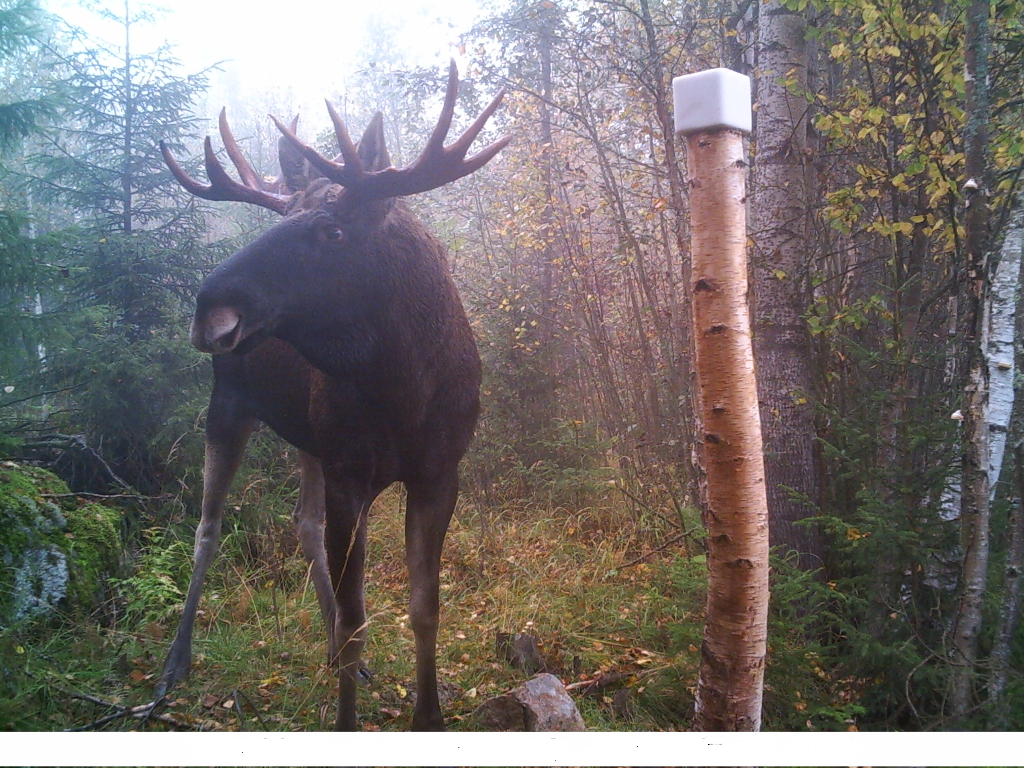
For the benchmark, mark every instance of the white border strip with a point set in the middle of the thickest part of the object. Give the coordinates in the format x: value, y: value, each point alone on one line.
x: 514, y: 749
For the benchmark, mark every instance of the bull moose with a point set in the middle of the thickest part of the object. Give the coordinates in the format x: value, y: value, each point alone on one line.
x: 341, y: 328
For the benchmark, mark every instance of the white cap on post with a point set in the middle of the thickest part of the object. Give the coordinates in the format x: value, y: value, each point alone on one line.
x: 710, y: 100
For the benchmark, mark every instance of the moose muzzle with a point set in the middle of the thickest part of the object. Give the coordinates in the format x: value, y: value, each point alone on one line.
x: 217, y: 331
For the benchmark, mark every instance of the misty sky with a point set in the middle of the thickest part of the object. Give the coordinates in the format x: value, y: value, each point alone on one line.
x: 300, y: 46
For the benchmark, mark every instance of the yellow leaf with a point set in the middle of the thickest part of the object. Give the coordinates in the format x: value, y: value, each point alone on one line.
x: 852, y: 534
x: 275, y: 679
x: 402, y: 692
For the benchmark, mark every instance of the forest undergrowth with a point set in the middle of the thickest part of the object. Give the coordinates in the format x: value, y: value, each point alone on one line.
x: 618, y: 616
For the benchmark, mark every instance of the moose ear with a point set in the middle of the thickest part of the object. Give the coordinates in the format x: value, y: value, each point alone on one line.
x: 372, y: 150
x: 295, y: 168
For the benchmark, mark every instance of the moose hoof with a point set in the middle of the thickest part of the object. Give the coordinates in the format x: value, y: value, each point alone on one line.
x: 428, y: 722
x: 176, y: 669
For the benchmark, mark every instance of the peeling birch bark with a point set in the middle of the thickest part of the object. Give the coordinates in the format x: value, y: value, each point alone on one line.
x: 1009, y: 609
x: 1001, y: 365
x: 730, y: 683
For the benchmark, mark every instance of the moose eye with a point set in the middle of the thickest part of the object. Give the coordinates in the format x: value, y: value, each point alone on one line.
x: 333, y: 233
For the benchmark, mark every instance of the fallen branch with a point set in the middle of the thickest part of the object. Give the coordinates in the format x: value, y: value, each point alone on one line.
x: 61, y: 442
x: 138, y: 712
x: 598, y: 683
x: 608, y: 679
x: 86, y: 494
x: 238, y: 709
x: 252, y: 706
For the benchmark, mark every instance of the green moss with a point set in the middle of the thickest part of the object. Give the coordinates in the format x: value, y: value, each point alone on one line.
x: 34, y: 481
x: 50, y: 548
x: 93, y: 547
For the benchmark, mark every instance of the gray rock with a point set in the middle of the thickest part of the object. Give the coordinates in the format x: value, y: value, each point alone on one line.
x: 540, y: 704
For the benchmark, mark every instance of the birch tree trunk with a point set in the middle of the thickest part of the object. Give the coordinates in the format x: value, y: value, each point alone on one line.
x: 781, y: 239
x: 1009, y: 614
x: 1002, y: 327
x: 975, y: 512
x: 730, y: 683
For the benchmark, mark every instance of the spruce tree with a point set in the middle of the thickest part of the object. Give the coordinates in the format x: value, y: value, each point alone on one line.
x: 131, y: 244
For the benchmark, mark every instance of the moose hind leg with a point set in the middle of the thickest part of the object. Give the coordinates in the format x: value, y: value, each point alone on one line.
x: 309, y: 523
x: 225, y: 444
x: 428, y: 511
x: 346, y: 556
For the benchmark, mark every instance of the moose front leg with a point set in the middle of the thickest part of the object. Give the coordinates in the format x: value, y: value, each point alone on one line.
x: 309, y: 523
x: 226, y: 436
x: 345, y: 540
x: 429, y: 509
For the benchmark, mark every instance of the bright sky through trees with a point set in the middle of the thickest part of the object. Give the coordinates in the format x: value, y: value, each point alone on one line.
x: 303, y: 46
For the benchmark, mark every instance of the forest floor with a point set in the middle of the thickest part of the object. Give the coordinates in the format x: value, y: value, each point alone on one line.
x: 617, y: 622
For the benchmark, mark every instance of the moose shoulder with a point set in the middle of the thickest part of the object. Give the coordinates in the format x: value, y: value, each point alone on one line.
x: 372, y: 369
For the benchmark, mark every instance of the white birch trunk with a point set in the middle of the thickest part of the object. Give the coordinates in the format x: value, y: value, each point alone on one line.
x: 1001, y: 314
x: 1001, y: 369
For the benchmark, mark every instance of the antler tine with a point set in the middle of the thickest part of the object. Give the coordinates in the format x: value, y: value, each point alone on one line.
x: 460, y: 146
x: 347, y: 173
x: 345, y: 144
x: 245, y: 170
x: 219, y: 178
x: 478, y: 160
x: 222, y: 186
x: 444, y: 123
x: 187, y: 182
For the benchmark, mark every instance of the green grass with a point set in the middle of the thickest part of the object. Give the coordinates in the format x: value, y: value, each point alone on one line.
x: 259, y: 642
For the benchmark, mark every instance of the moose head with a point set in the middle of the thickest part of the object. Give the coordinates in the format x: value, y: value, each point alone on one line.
x: 336, y: 213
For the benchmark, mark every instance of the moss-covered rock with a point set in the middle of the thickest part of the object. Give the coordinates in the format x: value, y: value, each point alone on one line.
x: 51, y: 549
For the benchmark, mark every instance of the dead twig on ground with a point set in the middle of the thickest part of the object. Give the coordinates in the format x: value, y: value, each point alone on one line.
x: 139, y: 712
x: 252, y: 706
x: 107, y: 496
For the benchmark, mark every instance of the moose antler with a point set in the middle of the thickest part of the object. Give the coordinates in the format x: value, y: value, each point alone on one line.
x: 436, y: 166
x: 253, y: 189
